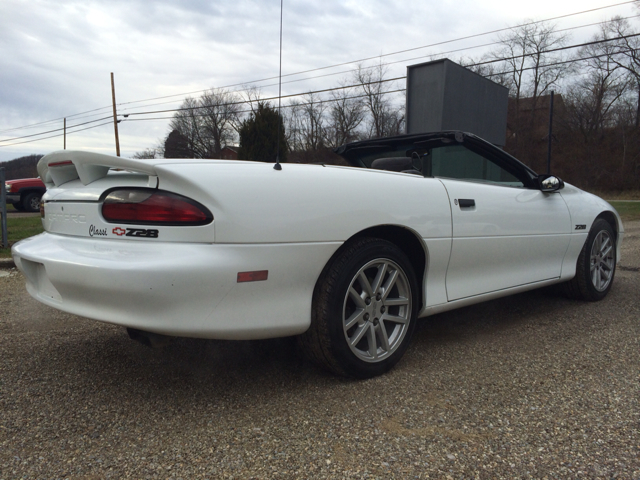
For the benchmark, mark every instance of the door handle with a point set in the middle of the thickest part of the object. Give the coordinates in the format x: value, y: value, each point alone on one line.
x: 466, y: 202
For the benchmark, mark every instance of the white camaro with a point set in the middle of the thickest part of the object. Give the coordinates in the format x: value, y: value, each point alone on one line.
x: 345, y: 257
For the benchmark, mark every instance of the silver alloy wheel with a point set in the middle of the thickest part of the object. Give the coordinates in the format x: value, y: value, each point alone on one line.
x: 602, y: 261
x: 377, y: 310
x: 34, y: 204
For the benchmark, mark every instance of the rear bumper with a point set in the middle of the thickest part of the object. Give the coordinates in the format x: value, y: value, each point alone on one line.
x: 177, y: 289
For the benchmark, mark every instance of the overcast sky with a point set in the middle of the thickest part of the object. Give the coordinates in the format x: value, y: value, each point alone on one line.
x: 56, y: 56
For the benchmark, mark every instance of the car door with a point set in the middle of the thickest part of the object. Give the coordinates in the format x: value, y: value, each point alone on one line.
x: 503, y: 234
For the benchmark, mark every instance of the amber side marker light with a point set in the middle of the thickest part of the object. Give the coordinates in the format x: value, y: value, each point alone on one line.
x: 256, y: 276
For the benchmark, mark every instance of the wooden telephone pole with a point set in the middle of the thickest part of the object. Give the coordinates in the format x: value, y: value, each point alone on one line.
x: 115, y: 117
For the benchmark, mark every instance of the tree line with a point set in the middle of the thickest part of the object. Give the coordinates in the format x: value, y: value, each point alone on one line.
x: 364, y: 106
x: 596, y: 138
x: 23, y: 167
x: 596, y: 134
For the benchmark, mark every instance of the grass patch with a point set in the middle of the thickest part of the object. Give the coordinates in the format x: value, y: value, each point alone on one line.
x: 19, y: 228
x: 617, y: 194
x: 628, y: 211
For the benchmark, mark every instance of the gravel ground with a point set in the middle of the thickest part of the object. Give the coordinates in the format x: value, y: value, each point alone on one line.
x: 531, y: 386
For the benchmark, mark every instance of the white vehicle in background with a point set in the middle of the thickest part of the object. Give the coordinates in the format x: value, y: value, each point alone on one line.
x: 346, y: 258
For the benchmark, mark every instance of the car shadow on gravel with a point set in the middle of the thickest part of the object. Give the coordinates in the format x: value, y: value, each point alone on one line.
x: 96, y: 364
x: 540, y: 307
x: 209, y: 366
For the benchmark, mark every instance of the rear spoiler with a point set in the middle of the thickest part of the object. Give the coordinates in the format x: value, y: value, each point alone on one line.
x: 66, y: 165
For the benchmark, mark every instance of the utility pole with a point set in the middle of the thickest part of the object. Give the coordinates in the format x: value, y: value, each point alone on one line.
x: 65, y: 133
x: 115, y: 117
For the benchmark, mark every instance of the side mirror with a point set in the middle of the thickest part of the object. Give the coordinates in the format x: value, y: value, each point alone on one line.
x: 550, y: 183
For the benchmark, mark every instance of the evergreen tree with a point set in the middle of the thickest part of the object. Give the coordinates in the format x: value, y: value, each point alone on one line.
x: 177, y: 146
x: 259, y: 136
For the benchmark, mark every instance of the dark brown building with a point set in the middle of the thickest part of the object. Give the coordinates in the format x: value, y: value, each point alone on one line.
x: 229, y: 153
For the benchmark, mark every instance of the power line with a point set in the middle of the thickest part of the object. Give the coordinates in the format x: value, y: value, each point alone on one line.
x: 333, y: 99
x: 338, y: 88
x: 461, y: 38
x: 329, y: 100
x: 558, y: 49
x: 328, y: 67
x: 439, y: 54
x: 54, y: 130
x: 345, y: 87
x: 291, y: 105
x: 52, y: 121
x: 563, y: 62
x: 383, y: 55
x: 242, y: 102
x: 58, y: 135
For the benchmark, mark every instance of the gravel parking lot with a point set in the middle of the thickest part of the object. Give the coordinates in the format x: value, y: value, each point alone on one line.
x: 531, y: 386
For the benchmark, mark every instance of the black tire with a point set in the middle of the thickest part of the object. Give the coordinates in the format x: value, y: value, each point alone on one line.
x: 596, y: 265
x: 31, y: 202
x: 18, y: 206
x: 382, y: 323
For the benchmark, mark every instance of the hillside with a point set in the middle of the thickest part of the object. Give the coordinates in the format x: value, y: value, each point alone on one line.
x: 23, y: 167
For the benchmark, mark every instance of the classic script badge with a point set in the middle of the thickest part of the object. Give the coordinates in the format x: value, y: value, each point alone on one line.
x: 97, y: 232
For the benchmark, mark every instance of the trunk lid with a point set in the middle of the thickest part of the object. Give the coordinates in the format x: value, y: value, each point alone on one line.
x: 77, y: 184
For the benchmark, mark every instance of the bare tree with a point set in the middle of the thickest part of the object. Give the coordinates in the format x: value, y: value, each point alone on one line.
x: 293, y: 125
x: 384, y: 118
x: 220, y: 118
x: 488, y: 68
x: 591, y: 100
x: 312, y: 113
x: 253, y: 96
x: 547, y: 67
x: 626, y: 52
x: 208, y: 123
x: 305, y: 126
x: 346, y: 114
x: 146, y: 154
x: 188, y: 122
x: 627, y: 56
x: 532, y: 68
x: 527, y: 55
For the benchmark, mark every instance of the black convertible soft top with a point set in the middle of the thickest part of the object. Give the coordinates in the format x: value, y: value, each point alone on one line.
x: 364, y: 153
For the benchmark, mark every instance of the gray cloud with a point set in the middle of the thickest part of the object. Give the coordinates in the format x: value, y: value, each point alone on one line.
x: 57, y: 56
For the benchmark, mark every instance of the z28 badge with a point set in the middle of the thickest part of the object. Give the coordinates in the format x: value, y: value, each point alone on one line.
x: 141, y: 232
x: 135, y: 232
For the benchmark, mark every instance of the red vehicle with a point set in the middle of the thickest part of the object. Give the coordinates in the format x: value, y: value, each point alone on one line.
x: 25, y: 193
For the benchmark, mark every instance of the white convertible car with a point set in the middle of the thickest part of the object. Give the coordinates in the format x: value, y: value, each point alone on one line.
x: 347, y: 258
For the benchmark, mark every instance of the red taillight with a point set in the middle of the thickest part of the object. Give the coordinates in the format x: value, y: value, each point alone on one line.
x: 152, y: 207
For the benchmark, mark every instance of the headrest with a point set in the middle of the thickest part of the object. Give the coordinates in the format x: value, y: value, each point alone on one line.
x: 394, y: 164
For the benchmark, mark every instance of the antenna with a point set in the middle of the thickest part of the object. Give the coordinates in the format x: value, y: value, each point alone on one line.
x: 277, y: 166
